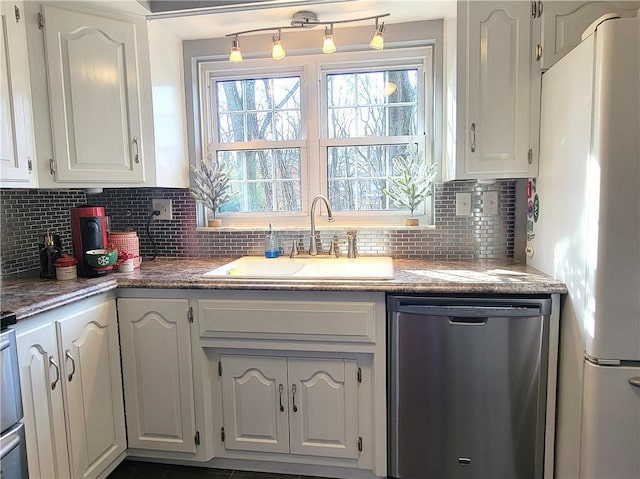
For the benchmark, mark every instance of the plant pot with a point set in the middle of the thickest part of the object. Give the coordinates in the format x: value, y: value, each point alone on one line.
x: 214, y: 223
x: 411, y: 221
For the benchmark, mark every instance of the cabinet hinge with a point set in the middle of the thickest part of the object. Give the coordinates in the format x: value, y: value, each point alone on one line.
x: 536, y: 9
x: 196, y: 439
x: 16, y: 12
x: 530, y: 156
x: 220, y: 368
x: 40, y: 21
x: 190, y: 314
x: 359, y: 375
x: 30, y: 165
x: 222, y: 433
x: 538, y: 52
x: 359, y: 444
x: 52, y: 166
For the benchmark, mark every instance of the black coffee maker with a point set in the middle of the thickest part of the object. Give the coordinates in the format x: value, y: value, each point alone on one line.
x: 50, y: 250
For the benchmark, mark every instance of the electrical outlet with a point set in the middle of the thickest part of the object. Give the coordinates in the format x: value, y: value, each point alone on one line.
x: 463, y: 204
x: 164, y: 207
x: 490, y: 203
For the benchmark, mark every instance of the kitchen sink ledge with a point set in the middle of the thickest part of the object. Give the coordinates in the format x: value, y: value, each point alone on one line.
x: 28, y: 296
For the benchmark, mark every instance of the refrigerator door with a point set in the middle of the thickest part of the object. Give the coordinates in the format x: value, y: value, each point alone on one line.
x: 610, y: 423
x: 612, y: 314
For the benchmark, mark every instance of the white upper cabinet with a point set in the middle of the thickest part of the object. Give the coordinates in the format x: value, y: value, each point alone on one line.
x: 99, y: 99
x: 17, y: 144
x: 564, y: 22
x: 494, y: 75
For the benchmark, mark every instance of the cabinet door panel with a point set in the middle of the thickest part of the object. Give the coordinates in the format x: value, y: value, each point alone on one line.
x: 95, y: 115
x: 498, y: 105
x: 17, y: 147
x: 325, y: 423
x: 88, y: 343
x: 156, y: 362
x: 253, y: 388
x: 564, y: 22
x: 43, y: 406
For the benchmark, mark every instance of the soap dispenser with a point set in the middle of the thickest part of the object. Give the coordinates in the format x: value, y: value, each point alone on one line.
x: 271, y: 246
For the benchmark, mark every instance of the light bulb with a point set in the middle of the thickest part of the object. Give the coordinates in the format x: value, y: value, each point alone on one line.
x: 328, y: 45
x: 235, y: 54
x: 377, y: 42
x: 277, y: 50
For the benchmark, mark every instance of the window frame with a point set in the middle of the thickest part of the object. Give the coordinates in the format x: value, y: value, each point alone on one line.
x: 313, y: 70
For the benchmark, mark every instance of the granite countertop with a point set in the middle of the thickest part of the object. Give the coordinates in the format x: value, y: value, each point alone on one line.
x: 30, y: 295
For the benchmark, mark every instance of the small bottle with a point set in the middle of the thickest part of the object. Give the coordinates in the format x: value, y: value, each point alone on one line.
x: 271, y: 246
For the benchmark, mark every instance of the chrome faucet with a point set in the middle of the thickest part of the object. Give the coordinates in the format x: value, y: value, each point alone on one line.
x: 313, y: 247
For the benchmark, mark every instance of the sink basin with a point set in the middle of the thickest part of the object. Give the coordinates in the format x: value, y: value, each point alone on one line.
x: 323, y: 267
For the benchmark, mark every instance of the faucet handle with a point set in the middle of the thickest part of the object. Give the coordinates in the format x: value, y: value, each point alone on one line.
x: 333, y: 248
x: 352, y: 249
x: 294, y: 249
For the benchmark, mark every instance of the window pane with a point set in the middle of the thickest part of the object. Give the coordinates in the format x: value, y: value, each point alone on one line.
x: 260, y: 108
x: 230, y: 96
x: 372, y: 103
x: 357, y: 176
x: 231, y: 127
x: 265, y: 180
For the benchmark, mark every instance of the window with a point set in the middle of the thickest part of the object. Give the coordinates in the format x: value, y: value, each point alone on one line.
x: 317, y: 124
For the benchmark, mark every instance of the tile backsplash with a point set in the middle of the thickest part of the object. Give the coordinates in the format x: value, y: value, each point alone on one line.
x: 26, y: 214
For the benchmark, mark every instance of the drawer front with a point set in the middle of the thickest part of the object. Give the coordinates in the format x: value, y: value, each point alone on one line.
x: 288, y: 320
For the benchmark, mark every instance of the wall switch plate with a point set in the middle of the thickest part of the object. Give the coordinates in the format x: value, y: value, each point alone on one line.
x: 164, y: 207
x: 490, y: 203
x: 463, y: 204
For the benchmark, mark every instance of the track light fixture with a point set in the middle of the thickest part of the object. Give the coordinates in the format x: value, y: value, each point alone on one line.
x: 328, y: 45
x: 306, y: 19
x: 277, y: 50
x: 235, y: 55
x: 377, y: 42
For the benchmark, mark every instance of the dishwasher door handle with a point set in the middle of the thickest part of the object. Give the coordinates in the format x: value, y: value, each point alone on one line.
x: 470, y: 311
x: 468, y: 321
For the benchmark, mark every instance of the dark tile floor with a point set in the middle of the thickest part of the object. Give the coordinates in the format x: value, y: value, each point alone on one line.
x: 150, y: 470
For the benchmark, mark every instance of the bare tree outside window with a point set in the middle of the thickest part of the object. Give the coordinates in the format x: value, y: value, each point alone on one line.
x: 268, y: 110
x: 367, y: 106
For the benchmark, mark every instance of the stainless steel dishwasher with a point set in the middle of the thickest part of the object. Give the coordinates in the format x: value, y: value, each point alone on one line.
x: 467, y: 386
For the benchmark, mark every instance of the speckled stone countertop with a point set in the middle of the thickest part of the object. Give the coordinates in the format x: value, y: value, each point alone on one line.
x: 28, y: 295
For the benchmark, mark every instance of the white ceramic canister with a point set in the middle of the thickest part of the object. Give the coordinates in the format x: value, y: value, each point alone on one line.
x: 126, y: 266
x: 66, y: 268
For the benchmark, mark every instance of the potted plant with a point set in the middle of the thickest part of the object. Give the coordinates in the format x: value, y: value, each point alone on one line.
x: 414, y: 183
x: 211, y: 187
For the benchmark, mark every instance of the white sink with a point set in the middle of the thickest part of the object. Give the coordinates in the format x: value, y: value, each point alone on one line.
x: 322, y: 267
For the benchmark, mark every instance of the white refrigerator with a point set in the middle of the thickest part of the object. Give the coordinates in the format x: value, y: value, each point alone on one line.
x: 584, y: 229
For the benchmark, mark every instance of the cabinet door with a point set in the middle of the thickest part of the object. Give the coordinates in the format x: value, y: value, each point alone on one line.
x: 88, y: 344
x: 564, y: 22
x: 496, y: 38
x: 41, y: 383
x: 254, y: 403
x: 324, y: 407
x: 156, y: 363
x: 92, y: 66
x: 17, y: 144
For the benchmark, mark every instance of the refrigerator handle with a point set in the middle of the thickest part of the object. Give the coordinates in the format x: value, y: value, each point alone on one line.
x: 635, y: 381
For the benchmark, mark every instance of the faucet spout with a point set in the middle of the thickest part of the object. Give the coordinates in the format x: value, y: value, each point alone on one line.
x: 313, y: 248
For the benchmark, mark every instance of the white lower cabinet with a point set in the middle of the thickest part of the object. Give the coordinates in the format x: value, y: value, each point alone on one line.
x: 72, y: 390
x: 157, y: 373
x: 290, y: 405
x: 296, y: 381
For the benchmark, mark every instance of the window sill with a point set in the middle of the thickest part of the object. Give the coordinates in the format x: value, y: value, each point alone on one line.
x: 329, y: 227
